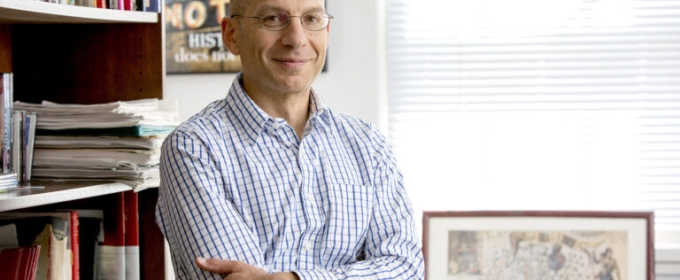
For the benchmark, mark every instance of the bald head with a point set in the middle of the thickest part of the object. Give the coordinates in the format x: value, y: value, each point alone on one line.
x: 237, y: 7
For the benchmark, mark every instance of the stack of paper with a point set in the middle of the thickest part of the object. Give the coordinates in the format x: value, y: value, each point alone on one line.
x: 142, y: 117
x: 118, y: 141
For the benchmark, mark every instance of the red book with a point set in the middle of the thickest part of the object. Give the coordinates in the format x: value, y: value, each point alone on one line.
x: 19, y: 263
x: 75, y: 246
x: 10, y: 263
x: 111, y: 260
x: 29, y: 262
x: 132, y: 269
x: 53, y: 236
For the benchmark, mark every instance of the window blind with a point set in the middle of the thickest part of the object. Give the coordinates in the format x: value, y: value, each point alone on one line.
x: 531, y: 104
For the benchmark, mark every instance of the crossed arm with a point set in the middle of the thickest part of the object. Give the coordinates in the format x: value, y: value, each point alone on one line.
x: 236, y: 270
x: 200, y: 221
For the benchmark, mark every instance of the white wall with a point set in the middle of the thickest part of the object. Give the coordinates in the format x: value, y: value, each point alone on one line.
x: 354, y: 83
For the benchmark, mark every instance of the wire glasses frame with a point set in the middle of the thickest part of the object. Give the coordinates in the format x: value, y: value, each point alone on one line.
x: 281, y: 20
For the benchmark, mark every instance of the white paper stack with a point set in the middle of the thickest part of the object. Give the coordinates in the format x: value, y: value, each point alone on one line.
x: 144, y: 112
x: 117, y: 141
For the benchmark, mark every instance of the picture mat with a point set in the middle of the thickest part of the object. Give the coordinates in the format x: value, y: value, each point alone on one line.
x: 439, y: 227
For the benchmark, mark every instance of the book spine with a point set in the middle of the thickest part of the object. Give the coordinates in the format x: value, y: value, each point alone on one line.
x: 75, y: 245
x: 111, y: 261
x: 53, y: 241
x: 30, y: 262
x: 17, y: 143
x: 30, y: 122
x: 6, y: 89
x: 154, y: 6
x: 132, y: 268
x: 10, y: 263
x: 90, y: 233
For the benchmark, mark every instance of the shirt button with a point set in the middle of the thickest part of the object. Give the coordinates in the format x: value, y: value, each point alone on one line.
x: 276, y: 125
x: 308, y: 246
x: 309, y: 196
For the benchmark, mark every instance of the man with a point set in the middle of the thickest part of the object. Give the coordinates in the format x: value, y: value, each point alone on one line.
x: 269, y: 183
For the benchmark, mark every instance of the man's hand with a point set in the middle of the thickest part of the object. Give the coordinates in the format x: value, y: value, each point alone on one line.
x: 236, y: 270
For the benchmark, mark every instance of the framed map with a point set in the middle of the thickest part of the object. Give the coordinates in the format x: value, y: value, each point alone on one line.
x: 471, y: 245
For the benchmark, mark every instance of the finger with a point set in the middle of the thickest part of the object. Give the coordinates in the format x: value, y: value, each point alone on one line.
x: 216, y: 265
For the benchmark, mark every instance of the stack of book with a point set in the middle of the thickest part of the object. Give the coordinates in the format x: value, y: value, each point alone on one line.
x: 17, y: 131
x: 73, y: 244
x: 20, y: 263
x: 117, y: 141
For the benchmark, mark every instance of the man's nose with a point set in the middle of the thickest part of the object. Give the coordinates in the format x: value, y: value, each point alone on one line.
x: 294, y: 34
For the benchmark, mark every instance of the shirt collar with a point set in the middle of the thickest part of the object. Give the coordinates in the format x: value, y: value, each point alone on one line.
x: 252, y: 118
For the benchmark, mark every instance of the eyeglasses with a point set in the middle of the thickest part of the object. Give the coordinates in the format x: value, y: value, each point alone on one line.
x: 280, y: 20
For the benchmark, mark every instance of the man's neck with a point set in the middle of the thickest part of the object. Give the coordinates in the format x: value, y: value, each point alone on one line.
x: 294, y: 108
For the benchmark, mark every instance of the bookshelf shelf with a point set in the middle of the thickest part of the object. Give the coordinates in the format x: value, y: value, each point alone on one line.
x: 30, y: 11
x: 54, y: 192
x: 84, y: 55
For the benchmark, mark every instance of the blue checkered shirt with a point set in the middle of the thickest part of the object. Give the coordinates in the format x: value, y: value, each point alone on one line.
x: 238, y: 184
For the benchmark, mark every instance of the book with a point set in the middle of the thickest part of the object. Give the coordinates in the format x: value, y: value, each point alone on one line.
x: 59, y: 229
x: 19, y: 263
x: 8, y: 236
x: 154, y: 6
x: 31, y: 264
x: 50, y: 231
x: 131, y: 210
x: 91, y: 232
x: 74, y: 238
x: 28, y: 125
x: 6, y: 97
x: 111, y: 258
x: 17, y: 143
x: 127, y: 5
x: 10, y: 262
x: 23, y: 139
x: 52, y: 262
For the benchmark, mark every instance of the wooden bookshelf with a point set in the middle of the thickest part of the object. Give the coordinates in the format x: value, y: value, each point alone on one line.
x: 71, y: 54
x: 31, y: 11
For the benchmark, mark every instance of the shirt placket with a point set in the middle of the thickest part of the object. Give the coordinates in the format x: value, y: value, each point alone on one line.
x: 310, y: 204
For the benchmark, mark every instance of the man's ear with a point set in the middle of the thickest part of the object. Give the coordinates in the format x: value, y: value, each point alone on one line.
x: 229, y: 35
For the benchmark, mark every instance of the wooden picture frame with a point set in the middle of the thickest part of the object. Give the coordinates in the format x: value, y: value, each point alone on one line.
x: 193, y: 38
x: 538, y: 245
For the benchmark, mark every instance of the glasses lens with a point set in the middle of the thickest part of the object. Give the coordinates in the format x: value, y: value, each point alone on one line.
x: 314, y: 21
x: 279, y: 21
x: 274, y: 21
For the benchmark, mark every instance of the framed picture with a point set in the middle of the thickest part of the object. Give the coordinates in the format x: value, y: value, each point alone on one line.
x: 193, y: 38
x: 584, y: 245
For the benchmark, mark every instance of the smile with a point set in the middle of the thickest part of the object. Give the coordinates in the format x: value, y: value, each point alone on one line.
x: 291, y: 62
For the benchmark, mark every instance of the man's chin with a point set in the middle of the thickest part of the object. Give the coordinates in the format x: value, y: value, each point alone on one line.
x: 294, y: 83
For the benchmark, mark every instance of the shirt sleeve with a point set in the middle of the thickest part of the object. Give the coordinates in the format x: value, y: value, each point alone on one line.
x: 195, y: 214
x: 392, y: 247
